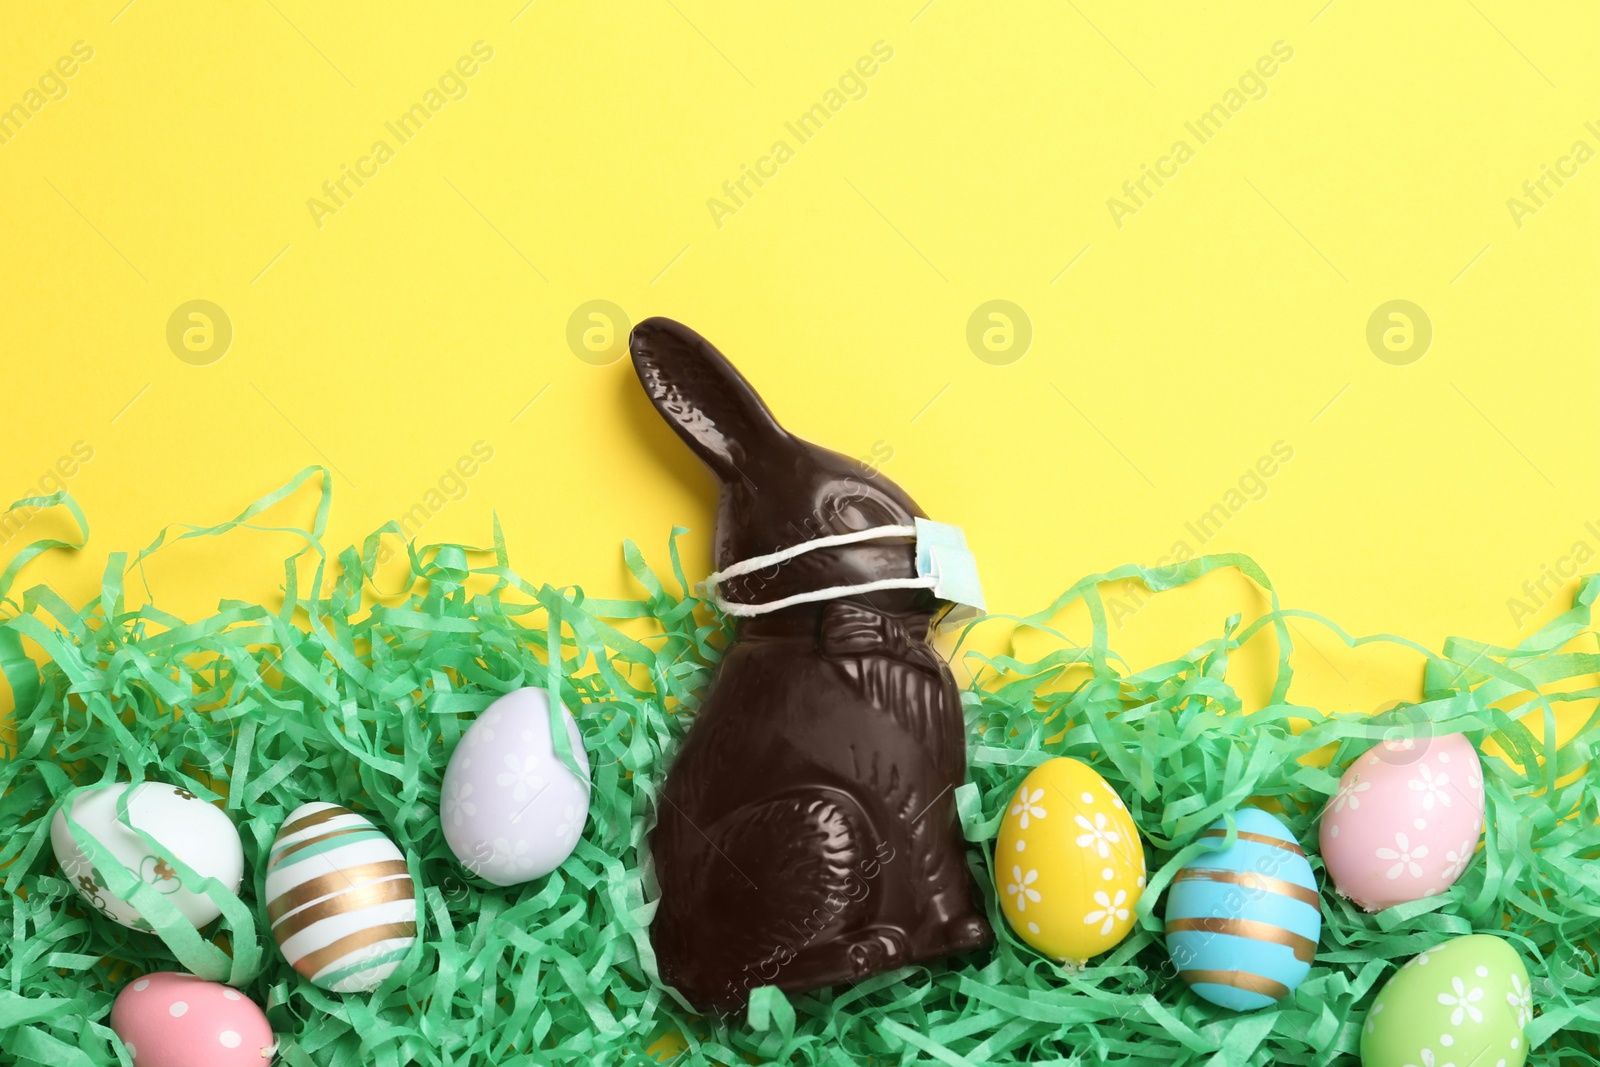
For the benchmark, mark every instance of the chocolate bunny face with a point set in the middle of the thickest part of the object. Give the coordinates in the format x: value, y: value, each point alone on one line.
x: 807, y: 831
x: 777, y: 490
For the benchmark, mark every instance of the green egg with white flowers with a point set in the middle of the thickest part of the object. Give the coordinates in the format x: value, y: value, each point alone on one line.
x: 1466, y: 1001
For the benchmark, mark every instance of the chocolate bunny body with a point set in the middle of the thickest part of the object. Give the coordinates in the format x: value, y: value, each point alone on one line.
x: 807, y: 833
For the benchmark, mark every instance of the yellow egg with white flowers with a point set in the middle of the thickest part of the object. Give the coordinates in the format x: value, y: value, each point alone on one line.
x: 1069, y: 863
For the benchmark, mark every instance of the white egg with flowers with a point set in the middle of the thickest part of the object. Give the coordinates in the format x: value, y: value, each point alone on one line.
x: 181, y: 825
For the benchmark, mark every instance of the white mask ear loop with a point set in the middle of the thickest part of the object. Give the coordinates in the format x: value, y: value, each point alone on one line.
x: 756, y: 563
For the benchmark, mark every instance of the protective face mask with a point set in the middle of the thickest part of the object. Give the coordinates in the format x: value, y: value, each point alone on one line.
x: 944, y: 564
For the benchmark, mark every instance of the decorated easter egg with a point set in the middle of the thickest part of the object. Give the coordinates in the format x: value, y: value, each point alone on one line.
x: 1465, y: 1002
x: 1243, y: 921
x: 340, y: 898
x: 1405, y: 821
x: 511, y: 810
x: 1069, y: 864
x: 178, y: 1020
x: 198, y: 834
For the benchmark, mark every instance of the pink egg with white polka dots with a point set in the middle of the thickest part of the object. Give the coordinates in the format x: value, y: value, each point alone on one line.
x: 178, y: 1020
x: 1405, y: 821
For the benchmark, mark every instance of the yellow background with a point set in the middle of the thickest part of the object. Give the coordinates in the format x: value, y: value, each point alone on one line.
x: 432, y: 308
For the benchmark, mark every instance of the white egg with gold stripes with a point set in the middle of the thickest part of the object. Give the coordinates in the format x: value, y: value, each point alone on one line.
x: 340, y: 899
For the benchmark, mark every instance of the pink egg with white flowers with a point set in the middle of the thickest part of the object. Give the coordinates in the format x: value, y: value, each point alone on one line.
x: 177, y: 1020
x: 1405, y: 821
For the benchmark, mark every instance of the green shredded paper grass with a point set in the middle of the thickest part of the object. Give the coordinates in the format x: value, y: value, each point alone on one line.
x: 355, y: 694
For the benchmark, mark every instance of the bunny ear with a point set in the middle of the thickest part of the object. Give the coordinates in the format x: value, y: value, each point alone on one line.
x: 703, y: 398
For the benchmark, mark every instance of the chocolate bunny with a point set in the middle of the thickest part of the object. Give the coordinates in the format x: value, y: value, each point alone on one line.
x: 807, y: 831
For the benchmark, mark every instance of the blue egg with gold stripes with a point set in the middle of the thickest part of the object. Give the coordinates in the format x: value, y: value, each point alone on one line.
x: 1243, y: 921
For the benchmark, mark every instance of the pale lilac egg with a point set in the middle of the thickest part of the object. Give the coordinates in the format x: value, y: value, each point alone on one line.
x: 1405, y: 821
x: 511, y: 809
x: 177, y: 1020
